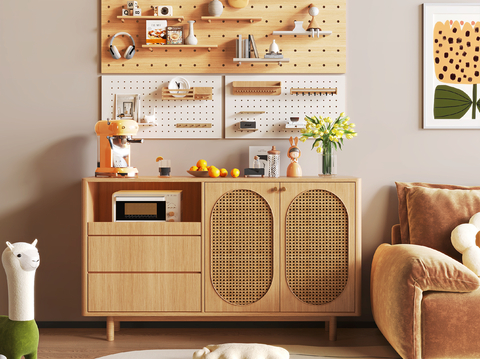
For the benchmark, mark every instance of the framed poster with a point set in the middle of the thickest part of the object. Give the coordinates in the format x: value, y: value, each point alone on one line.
x: 451, y: 66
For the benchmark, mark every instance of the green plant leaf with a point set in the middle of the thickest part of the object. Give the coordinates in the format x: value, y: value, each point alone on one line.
x: 450, y: 103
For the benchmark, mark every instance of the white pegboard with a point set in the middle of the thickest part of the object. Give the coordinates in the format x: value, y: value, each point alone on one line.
x: 279, y: 109
x: 168, y: 113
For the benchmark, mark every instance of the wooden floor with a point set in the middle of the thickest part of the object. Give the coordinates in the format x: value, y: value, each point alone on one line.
x: 92, y: 343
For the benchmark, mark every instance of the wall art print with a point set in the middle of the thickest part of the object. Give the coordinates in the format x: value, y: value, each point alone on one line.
x: 451, y: 73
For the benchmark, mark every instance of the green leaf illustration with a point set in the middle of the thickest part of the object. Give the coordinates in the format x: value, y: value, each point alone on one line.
x: 450, y: 103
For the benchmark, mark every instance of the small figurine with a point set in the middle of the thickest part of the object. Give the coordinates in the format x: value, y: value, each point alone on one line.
x: 294, y: 169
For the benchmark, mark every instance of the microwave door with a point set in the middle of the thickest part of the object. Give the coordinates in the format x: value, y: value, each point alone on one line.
x: 139, y: 210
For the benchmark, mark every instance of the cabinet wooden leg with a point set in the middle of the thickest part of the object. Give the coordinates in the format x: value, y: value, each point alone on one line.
x: 117, y: 325
x: 110, y: 329
x: 332, y: 330
x: 326, y: 325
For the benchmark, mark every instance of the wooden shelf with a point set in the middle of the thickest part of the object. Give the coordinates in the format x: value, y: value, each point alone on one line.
x: 151, y: 17
x: 231, y: 18
x: 303, y: 91
x: 257, y: 88
x: 194, y: 93
x: 279, y: 61
x: 250, y: 112
x: 154, y: 46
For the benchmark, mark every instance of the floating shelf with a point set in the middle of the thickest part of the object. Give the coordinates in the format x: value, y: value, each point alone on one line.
x: 166, y: 47
x: 194, y: 93
x: 279, y: 61
x: 147, y: 124
x: 298, y: 30
x: 250, y: 112
x: 193, y: 125
x: 314, y: 91
x: 295, y: 125
x: 231, y: 18
x: 257, y: 88
x: 151, y: 17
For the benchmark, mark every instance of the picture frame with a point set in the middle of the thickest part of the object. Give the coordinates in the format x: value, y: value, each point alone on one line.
x: 127, y: 107
x: 451, y: 66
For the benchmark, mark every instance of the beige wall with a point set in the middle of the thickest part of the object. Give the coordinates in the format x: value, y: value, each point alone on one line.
x: 49, y: 96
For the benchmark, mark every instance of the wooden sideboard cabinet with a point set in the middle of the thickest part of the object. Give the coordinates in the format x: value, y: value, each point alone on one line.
x: 259, y: 249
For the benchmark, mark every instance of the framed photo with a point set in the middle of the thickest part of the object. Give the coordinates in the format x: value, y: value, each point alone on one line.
x: 451, y: 66
x: 127, y: 106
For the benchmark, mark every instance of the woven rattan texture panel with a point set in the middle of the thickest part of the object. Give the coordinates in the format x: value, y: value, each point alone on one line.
x: 242, y: 247
x: 326, y: 54
x: 317, y: 247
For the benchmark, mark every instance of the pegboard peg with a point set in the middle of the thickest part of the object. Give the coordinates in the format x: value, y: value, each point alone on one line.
x: 151, y: 50
x: 123, y: 20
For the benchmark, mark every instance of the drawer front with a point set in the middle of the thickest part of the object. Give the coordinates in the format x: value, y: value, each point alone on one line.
x: 144, y: 292
x: 144, y: 254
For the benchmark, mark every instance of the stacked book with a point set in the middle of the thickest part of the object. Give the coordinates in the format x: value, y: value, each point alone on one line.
x: 246, y: 48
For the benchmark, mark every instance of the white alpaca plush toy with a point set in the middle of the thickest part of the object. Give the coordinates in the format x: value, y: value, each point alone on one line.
x: 19, y: 332
x: 465, y: 240
x: 241, y: 351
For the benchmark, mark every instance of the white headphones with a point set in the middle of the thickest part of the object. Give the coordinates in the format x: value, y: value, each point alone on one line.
x: 128, y: 53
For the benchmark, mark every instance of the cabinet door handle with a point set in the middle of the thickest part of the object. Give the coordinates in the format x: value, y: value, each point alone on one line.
x: 283, y: 189
x: 275, y: 189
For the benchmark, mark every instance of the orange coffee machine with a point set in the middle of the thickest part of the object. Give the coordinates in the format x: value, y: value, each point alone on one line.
x: 113, y: 148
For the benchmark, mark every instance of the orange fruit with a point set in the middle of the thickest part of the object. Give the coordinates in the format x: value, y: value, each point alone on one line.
x: 235, y: 172
x: 223, y: 172
x: 202, y: 169
x: 202, y: 163
x: 194, y: 168
x: 213, y: 172
x: 159, y: 158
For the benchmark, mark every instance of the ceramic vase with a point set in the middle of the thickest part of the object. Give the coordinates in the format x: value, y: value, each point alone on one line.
x: 215, y: 8
x: 191, y: 39
x: 274, y: 48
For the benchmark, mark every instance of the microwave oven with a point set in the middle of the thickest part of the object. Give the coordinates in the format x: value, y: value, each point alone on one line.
x: 147, y: 206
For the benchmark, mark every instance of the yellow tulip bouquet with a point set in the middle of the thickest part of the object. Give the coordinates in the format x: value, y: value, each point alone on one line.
x: 328, y: 133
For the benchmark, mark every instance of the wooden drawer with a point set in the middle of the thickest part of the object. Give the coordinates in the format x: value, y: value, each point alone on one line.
x: 144, y: 292
x: 144, y: 254
x: 144, y: 228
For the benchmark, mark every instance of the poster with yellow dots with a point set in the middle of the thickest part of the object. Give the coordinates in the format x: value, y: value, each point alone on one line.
x: 451, y: 58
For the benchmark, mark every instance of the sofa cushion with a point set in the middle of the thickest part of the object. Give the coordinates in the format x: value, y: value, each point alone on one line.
x: 402, y: 202
x: 433, y: 214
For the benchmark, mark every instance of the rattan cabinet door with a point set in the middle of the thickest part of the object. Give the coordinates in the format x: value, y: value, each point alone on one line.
x: 318, y: 248
x: 242, y: 248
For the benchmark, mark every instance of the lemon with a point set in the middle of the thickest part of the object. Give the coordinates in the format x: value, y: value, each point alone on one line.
x: 223, y: 172
x: 159, y: 158
x: 235, y: 172
x: 202, y: 163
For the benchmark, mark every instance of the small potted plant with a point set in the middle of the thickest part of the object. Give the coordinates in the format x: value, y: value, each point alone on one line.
x: 328, y: 134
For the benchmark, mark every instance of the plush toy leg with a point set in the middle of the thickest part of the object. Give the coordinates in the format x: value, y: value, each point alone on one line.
x: 31, y: 356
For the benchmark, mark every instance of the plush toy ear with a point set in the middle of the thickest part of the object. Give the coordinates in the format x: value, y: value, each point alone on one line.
x: 34, y: 243
x: 10, y: 245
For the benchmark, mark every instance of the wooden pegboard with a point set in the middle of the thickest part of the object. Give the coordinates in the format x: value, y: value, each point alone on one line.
x: 174, y: 118
x: 307, y: 55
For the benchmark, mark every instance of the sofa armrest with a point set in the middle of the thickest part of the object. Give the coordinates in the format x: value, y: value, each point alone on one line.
x: 396, y: 235
x: 400, y: 274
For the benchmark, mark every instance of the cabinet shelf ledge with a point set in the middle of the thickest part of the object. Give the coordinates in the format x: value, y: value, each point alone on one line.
x: 151, y: 17
x: 231, y: 18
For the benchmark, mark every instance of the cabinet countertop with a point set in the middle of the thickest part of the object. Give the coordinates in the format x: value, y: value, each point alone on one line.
x: 333, y: 178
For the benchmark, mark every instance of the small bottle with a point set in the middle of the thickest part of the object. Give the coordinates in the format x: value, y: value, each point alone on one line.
x: 257, y: 163
x: 273, y: 159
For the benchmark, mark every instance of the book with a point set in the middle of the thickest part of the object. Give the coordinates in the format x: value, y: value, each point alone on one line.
x: 253, y: 45
x: 239, y: 47
x: 246, y: 48
x: 174, y: 35
x: 156, y: 32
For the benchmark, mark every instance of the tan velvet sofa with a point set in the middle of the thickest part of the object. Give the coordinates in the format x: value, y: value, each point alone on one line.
x: 424, y: 300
